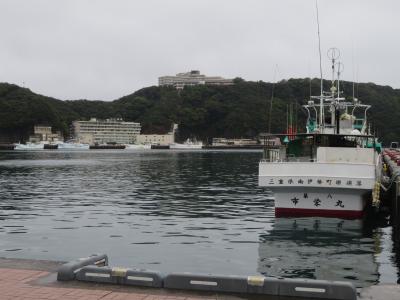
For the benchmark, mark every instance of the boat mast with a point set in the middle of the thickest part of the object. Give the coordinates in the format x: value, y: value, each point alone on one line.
x: 337, y: 103
x: 333, y: 55
x: 339, y: 72
x: 321, y: 100
x: 272, y: 99
x: 287, y: 119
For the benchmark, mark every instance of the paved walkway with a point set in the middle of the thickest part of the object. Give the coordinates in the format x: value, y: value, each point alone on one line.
x: 20, y: 285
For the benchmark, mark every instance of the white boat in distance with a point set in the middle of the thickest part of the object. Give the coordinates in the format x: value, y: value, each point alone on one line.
x: 138, y: 147
x: 332, y: 169
x: 72, y: 146
x: 29, y: 146
x: 187, y: 145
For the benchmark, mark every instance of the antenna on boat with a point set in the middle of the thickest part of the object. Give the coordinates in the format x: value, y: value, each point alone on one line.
x: 272, y: 99
x: 354, y: 79
x: 287, y: 118
x: 321, y: 100
x: 309, y: 81
x: 358, y: 80
x: 340, y: 68
x: 333, y: 55
x: 294, y: 125
x: 291, y: 118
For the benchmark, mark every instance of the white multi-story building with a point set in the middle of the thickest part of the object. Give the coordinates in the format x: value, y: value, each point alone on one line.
x: 159, y: 139
x: 180, y: 80
x: 106, y: 131
x: 156, y: 139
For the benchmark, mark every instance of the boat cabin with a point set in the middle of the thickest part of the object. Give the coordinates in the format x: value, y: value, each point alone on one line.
x: 323, y: 148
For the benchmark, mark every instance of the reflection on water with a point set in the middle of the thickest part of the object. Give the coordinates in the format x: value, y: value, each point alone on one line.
x: 175, y: 211
x: 319, y: 248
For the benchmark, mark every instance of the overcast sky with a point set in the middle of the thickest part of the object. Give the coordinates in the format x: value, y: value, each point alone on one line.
x: 76, y: 49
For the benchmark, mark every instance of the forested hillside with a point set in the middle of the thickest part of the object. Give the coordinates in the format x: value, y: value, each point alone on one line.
x: 240, y: 110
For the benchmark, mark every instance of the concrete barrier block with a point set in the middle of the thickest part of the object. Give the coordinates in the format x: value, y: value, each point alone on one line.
x: 95, y: 269
x: 143, y: 278
x: 120, y: 276
x: 95, y: 274
x: 320, y: 289
x: 67, y: 271
x: 187, y: 281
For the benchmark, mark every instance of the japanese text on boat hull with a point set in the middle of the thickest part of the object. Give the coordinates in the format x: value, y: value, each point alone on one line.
x: 314, y: 181
x: 323, y: 199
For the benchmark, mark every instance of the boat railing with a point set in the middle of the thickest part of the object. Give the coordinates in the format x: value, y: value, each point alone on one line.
x: 274, y: 153
x: 279, y: 154
x: 303, y: 147
x: 287, y: 159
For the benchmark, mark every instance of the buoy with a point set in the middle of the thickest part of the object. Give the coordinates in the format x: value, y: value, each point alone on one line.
x: 375, y: 194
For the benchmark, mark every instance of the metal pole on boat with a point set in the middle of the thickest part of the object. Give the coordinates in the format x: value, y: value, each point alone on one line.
x: 339, y: 71
x: 295, y: 117
x: 287, y: 118
x: 291, y: 119
x: 272, y: 99
x: 321, y: 100
x: 333, y: 55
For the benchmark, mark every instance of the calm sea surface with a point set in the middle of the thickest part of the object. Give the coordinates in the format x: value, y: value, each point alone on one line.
x: 176, y: 211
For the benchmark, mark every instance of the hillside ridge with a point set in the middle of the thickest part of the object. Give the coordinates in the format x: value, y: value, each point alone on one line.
x: 203, y: 111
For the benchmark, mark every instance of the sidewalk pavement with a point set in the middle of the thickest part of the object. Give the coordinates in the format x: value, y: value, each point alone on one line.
x: 17, y: 284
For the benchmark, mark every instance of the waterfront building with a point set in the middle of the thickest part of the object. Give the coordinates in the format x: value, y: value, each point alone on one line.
x: 43, y: 133
x: 180, y: 80
x: 156, y: 139
x: 106, y: 131
x: 159, y: 139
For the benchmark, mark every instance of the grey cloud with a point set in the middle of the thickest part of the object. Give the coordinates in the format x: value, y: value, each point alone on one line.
x: 99, y: 49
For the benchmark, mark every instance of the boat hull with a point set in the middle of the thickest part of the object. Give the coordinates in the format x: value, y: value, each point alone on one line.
x: 73, y: 146
x: 322, y: 202
x: 138, y: 147
x: 185, y: 146
x: 326, y: 189
x: 29, y: 147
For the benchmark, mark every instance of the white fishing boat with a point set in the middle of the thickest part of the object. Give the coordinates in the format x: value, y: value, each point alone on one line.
x: 138, y: 147
x: 331, y: 169
x: 187, y: 145
x: 29, y: 146
x: 72, y: 146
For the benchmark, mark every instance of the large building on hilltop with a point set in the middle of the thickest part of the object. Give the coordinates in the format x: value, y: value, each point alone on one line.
x: 180, y: 80
x: 106, y: 131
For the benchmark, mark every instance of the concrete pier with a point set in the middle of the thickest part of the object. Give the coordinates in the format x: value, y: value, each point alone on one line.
x: 107, y: 147
x: 26, y: 279
x: 36, y: 279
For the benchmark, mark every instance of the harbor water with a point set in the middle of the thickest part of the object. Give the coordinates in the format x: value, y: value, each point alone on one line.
x: 195, y: 211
